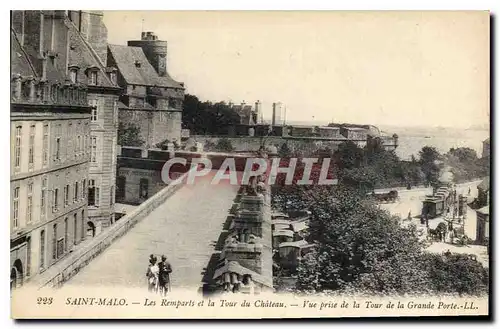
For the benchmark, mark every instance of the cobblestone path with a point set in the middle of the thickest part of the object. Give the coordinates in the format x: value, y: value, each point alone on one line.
x: 185, y: 229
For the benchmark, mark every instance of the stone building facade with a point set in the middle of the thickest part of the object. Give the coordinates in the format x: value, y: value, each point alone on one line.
x: 50, y: 126
x: 151, y: 99
x: 86, y: 65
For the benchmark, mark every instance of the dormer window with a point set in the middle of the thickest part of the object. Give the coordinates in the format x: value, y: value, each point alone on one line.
x: 73, y: 73
x: 92, y: 75
x: 72, y: 76
x: 112, y: 74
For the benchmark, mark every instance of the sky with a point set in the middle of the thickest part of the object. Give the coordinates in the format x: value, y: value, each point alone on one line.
x: 382, y: 68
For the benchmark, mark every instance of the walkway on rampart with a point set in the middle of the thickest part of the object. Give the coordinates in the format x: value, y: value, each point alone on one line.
x: 184, y: 228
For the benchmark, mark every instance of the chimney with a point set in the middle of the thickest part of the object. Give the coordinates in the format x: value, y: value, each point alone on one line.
x: 273, y: 122
x: 17, y: 86
x: 44, y: 69
x: 258, y: 112
x: 32, y: 90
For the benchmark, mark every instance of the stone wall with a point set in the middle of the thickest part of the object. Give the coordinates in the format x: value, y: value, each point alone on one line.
x: 305, y: 146
x: 155, y: 126
x: 67, y: 268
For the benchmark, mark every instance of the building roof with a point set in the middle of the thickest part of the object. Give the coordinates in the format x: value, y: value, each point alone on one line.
x: 122, y: 106
x: 19, y: 61
x: 300, y: 226
x: 484, y: 210
x: 355, y: 129
x: 242, y: 110
x: 235, y: 267
x: 84, y: 57
x: 24, y: 61
x: 485, y: 184
x: 276, y: 215
x: 141, y: 73
x: 296, y: 244
x: 288, y: 233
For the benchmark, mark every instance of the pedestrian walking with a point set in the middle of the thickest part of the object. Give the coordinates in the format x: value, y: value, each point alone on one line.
x: 152, y: 274
x: 164, y: 275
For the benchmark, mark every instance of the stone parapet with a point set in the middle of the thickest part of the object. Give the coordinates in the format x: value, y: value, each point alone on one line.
x: 247, y: 253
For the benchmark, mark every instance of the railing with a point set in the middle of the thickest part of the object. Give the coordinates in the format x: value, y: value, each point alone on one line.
x: 102, y: 241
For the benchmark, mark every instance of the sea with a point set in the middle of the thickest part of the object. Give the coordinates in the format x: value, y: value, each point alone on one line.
x: 412, y: 139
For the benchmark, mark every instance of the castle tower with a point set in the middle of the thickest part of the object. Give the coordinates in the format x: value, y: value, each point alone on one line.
x: 155, y: 51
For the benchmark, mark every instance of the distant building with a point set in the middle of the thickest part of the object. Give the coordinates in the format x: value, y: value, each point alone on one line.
x: 483, y: 225
x: 483, y: 213
x: 486, y: 148
x: 50, y: 146
x: 151, y: 99
x: 329, y: 132
x: 483, y: 193
x: 278, y: 114
x: 302, y: 131
x: 354, y: 133
x: 248, y: 116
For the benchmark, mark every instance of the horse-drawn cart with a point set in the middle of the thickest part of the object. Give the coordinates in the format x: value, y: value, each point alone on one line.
x: 384, y: 197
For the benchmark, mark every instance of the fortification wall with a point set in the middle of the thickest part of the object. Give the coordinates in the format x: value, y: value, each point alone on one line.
x: 305, y: 146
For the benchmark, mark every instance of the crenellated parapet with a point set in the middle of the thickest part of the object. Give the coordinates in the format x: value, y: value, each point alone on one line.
x: 245, y: 264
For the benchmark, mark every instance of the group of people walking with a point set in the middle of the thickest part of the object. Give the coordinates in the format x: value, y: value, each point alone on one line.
x: 158, y: 275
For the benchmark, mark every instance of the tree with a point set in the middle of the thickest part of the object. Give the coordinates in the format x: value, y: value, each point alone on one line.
x: 129, y: 135
x: 456, y: 273
x: 464, y: 154
x: 428, y: 154
x: 361, y: 246
x: 361, y: 179
x: 349, y: 155
x: 207, y: 117
x: 429, y: 162
x: 465, y: 165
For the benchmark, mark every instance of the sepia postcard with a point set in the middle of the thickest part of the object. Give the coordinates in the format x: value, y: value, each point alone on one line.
x: 249, y: 164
